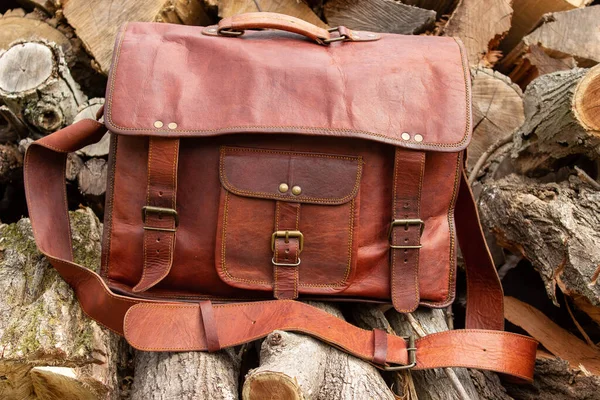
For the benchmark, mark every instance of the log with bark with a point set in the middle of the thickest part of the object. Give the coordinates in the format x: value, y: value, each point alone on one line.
x: 97, y: 22
x: 545, y: 50
x: 43, y: 326
x: 480, y: 25
x: 379, y: 16
x: 298, y: 9
x: 37, y: 86
x: 562, y: 123
x: 295, y: 366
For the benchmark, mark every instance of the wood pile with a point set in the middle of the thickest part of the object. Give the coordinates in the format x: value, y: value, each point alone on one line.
x: 534, y: 164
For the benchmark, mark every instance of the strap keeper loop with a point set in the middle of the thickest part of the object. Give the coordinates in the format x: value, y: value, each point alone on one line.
x: 209, y: 322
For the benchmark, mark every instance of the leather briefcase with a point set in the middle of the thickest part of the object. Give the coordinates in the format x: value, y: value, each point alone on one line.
x: 249, y: 169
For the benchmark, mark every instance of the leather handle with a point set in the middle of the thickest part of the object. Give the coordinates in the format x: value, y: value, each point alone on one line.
x: 237, y: 24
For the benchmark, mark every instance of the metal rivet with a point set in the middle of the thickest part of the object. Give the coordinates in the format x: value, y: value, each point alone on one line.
x: 296, y: 190
x: 405, y: 136
x: 356, y: 36
x: 283, y: 187
x: 212, y: 30
x: 371, y: 35
x: 172, y: 125
x: 418, y: 138
x: 158, y: 124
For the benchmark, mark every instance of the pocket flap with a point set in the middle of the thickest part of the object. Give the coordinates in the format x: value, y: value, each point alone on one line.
x: 290, y: 176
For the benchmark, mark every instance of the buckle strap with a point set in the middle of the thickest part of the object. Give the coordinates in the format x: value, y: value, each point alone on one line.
x: 159, y: 215
x: 406, y: 229
x: 287, y: 242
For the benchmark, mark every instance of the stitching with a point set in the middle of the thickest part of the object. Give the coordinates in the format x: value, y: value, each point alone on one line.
x: 350, y: 240
x: 229, y: 186
x: 108, y: 224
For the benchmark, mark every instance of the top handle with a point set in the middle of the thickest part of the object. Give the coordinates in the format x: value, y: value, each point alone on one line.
x: 237, y: 24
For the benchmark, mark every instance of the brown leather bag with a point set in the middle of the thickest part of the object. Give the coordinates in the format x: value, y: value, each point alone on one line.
x: 276, y: 166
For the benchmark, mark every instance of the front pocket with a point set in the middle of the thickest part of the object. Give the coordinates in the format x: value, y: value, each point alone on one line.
x: 311, y: 193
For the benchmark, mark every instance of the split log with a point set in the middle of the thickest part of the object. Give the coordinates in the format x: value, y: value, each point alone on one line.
x: 298, y: 9
x: 36, y: 85
x: 442, y: 7
x: 581, y: 26
x: 497, y: 110
x: 17, y: 26
x: 42, y: 324
x: 189, y: 375
x: 480, y: 25
x: 92, y: 177
x: 553, y: 379
x: 97, y: 22
x: 89, y: 110
x: 527, y: 14
x: 294, y: 366
x: 553, y: 225
x: 562, y: 123
x: 74, y: 166
x: 379, y: 16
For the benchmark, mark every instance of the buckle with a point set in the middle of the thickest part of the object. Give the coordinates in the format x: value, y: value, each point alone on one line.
x: 335, y: 39
x: 406, y: 223
x: 412, y: 356
x: 287, y: 235
x: 160, y: 211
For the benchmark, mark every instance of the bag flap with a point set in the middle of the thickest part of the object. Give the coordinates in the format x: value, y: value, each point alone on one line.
x: 171, y: 80
x: 260, y: 172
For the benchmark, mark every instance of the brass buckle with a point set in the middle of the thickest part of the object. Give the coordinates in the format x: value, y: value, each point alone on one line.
x: 287, y: 235
x: 335, y: 39
x: 160, y: 211
x: 406, y: 223
x: 412, y: 356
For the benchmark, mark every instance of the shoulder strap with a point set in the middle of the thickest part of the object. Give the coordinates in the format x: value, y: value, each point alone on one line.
x: 152, y: 325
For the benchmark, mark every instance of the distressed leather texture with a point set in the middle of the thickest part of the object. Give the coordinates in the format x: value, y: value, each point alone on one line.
x: 268, y: 166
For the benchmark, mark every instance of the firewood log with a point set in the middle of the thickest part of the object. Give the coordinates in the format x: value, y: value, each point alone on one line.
x: 379, y: 16
x: 497, y: 110
x: 527, y: 14
x: 16, y: 25
x: 11, y: 163
x: 188, y: 375
x: 12, y: 129
x: 562, y: 122
x: 42, y: 324
x: 480, y: 25
x: 89, y: 110
x: 36, y: 85
x: 580, y: 25
x: 298, y: 9
x: 553, y: 225
x: 97, y: 22
x: 442, y: 7
x: 295, y: 366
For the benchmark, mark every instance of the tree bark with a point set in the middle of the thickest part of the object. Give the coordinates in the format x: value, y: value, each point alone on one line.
x: 42, y: 324
x: 36, y: 85
x: 553, y: 225
x: 558, y: 131
x: 480, y: 25
x: 92, y: 177
x: 189, y: 375
x: 294, y: 366
x: 379, y: 16
x: 11, y: 163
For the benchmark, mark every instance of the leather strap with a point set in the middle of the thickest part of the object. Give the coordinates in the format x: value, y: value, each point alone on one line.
x: 160, y: 215
x: 405, y: 233
x: 153, y: 324
x: 380, y: 345
x: 286, y: 254
x: 209, y: 324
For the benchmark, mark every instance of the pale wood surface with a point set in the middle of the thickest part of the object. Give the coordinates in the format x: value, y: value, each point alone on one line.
x: 379, y: 16
x: 92, y: 177
x: 42, y: 323
x: 497, y: 110
x: 17, y: 26
x: 442, y: 7
x: 527, y: 14
x: 89, y: 110
x: 96, y: 23
x: 480, y: 25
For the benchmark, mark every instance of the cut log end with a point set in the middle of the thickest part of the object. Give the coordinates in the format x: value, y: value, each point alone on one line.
x: 586, y: 100
x: 271, y: 385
